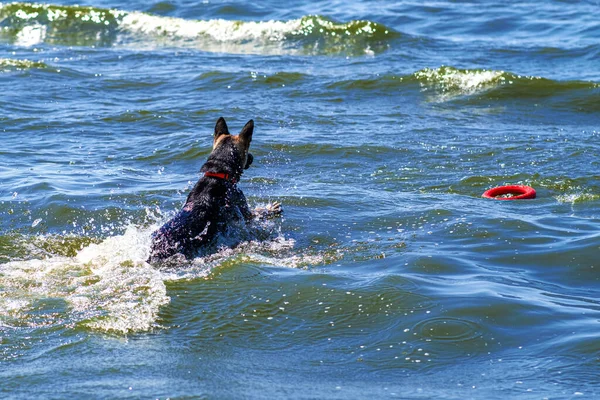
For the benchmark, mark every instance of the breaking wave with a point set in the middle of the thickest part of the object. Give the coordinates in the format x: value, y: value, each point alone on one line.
x: 448, y: 83
x: 30, y: 24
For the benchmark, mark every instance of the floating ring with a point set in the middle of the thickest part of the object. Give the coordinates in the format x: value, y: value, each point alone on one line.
x: 517, y: 192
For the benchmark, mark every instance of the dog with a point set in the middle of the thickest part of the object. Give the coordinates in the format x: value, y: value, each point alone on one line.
x: 215, y: 202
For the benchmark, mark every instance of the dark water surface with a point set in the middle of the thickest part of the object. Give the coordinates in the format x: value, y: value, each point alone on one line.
x: 378, y: 127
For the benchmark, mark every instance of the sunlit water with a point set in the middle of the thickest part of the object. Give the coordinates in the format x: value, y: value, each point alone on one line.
x: 378, y: 127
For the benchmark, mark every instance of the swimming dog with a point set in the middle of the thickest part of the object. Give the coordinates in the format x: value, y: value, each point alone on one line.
x: 214, y: 202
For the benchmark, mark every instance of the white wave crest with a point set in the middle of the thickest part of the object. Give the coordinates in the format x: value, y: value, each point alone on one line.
x: 31, y: 35
x: 450, y: 82
x: 31, y: 24
x: 220, y: 30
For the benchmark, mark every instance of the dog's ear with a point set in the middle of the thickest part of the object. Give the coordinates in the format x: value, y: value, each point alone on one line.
x: 246, y: 133
x: 249, y: 160
x: 221, y: 128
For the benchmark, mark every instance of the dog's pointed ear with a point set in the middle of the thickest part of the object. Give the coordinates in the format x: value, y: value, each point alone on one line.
x: 221, y: 128
x: 249, y: 160
x: 246, y: 133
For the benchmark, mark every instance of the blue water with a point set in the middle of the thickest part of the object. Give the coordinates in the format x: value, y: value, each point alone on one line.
x: 378, y: 127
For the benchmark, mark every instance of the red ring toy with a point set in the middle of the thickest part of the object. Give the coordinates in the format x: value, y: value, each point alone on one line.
x: 519, y: 192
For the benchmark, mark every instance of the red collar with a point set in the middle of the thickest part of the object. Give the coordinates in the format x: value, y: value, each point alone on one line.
x: 220, y: 175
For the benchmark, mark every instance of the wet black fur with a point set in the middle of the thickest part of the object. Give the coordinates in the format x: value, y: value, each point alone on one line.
x: 212, y: 204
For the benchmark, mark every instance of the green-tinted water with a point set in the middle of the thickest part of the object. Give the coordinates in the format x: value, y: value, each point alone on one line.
x: 378, y: 127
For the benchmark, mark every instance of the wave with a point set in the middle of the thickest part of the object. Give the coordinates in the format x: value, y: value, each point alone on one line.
x: 448, y: 83
x: 10, y: 64
x: 30, y: 24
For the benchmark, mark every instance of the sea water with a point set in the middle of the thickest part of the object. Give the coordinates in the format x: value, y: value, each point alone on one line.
x: 378, y: 127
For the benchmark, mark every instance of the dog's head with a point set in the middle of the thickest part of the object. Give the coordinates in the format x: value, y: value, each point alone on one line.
x: 230, y: 152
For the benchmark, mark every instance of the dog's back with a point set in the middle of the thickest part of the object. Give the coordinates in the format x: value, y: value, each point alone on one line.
x: 213, y: 202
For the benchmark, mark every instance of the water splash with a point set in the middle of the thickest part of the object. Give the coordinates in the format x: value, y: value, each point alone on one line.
x: 107, y: 286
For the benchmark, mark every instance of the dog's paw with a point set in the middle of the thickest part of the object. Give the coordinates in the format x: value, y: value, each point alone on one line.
x: 274, y: 208
x: 269, y: 211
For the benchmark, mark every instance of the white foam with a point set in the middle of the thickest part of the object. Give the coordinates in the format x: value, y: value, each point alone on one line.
x: 577, y: 197
x: 219, y: 30
x: 454, y: 81
x: 36, y: 22
x: 107, y: 286
x: 31, y: 35
x: 139, y: 29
